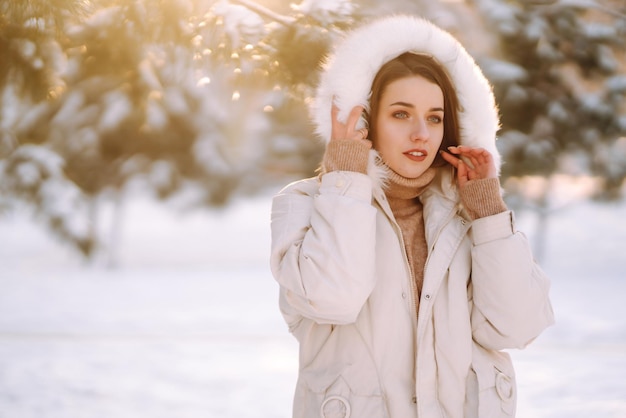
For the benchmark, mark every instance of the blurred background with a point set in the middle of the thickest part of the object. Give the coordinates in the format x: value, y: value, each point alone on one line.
x: 141, y: 142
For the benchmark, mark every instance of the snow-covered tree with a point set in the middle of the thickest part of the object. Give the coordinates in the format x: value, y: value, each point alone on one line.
x: 559, y: 77
x: 30, y: 33
x: 180, y: 93
x: 31, y: 38
x: 558, y: 70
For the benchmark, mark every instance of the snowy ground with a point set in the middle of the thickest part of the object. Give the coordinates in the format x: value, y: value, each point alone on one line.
x: 189, y: 325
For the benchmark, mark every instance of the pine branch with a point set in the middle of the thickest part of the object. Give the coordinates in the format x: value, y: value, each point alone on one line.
x: 607, y: 9
x: 265, y: 12
x: 591, y: 4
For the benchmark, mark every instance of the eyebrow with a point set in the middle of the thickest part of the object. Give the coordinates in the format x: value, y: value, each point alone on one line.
x: 405, y: 104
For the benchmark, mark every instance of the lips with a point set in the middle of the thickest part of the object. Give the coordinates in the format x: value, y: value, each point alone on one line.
x: 416, y: 154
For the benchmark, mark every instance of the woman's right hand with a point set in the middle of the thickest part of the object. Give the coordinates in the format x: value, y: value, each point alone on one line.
x: 347, y: 130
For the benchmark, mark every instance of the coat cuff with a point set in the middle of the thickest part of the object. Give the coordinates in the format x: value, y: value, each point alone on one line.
x: 495, y: 227
x: 347, y: 155
x: 482, y: 198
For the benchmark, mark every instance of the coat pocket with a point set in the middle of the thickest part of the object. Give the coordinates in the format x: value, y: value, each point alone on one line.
x: 497, y: 392
x: 339, y: 400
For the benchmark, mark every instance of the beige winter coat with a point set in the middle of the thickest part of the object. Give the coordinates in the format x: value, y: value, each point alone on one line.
x: 346, y: 294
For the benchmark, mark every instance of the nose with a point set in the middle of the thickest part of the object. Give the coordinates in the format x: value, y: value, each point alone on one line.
x: 420, y: 131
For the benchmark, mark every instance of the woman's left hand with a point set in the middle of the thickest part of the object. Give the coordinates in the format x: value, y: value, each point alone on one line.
x: 471, y: 164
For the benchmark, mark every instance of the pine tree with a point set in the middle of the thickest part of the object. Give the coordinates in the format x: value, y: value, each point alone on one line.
x: 116, y: 112
x: 558, y: 76
x: 184, y: 95
x: 31, y: 38
x: 559, y: 82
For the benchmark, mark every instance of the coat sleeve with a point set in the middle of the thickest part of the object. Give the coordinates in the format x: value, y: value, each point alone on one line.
x: 322, y: 251
x: 511, y: 305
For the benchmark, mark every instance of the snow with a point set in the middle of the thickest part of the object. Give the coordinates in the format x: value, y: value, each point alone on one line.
x: 241, y: 25
x: 616, y: 84
x: 36, y: 173
x: 117, y: 108
x: 328, y: 11
x: 599, y: 31
x: 189, y: 325
x: 503, y: 72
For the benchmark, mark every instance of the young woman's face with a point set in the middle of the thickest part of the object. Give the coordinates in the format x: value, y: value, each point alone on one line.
x: 409, y: 125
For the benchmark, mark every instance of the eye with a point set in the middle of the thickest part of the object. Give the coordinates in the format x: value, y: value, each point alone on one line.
x: 436, y: 119
x: 401, y: 114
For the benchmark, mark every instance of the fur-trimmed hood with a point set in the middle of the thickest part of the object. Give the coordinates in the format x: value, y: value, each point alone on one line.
x: 348, y: 75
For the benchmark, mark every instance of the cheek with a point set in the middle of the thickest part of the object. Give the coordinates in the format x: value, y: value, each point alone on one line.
x: 378, y: 132
x: 390, y: 131
x: 436, y: 135
x: 385, y: 138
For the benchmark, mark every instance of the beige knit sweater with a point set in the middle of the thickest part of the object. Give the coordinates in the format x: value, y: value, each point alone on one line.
x: 480, y: 198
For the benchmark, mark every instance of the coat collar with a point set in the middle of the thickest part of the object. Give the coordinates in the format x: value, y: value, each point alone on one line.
x: 440, y: 199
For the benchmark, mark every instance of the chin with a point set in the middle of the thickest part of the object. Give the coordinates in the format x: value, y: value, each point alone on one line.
x: 412, y: 174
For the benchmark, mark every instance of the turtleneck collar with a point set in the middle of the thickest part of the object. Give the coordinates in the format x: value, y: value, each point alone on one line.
x: 403, y: 188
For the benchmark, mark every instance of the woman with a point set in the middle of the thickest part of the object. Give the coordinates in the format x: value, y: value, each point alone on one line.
x: 401, y: 273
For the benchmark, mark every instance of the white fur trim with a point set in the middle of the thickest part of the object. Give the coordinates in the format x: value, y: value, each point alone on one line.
x: 377, y: 171
x: 349, y: 73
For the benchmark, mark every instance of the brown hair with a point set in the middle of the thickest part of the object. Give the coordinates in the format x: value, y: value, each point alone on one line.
x: 407, y: 65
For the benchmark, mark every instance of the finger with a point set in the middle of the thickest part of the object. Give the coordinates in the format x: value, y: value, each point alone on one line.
x: 462, y: 173
x: 486, y: 157
x: 358, y: 134
x: 334, y: 110
x: 453, y: 161
x: 474, y: 161
x: 353, y: 118
x: 483, y: 162
x: 338, y: 129
x: 481, y: 155
x: 465, y: 150
x: 467, y: 154
x: 454, y: 150
x: 463, y: 153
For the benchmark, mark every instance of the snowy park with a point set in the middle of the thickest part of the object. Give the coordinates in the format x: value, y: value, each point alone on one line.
x: 141, y: 143
x: 188, y: 324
